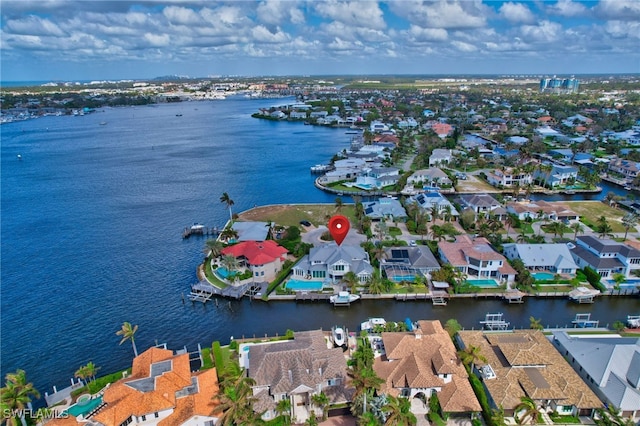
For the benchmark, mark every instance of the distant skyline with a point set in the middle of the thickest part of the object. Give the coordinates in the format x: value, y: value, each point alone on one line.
x: 62, y: 40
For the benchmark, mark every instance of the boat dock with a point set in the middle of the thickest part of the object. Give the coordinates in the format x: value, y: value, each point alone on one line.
x: 204, y: 291
x: 308, y: 296
x: 584, y: 321
x: 494, y: 322
x: 197, y: 229
x: 583, y: 295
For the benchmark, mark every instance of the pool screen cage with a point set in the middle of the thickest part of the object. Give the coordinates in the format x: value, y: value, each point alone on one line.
x: 398, y: 273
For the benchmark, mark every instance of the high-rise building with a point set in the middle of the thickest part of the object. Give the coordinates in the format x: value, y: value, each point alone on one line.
x: 559, y: 86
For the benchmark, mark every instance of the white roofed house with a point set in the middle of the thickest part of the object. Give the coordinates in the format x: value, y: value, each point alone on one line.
x: 552, y: 174
x: 385, y: 208
x: 426, y: 201
x: 330, y: 262
x: 433, y: 177
x: 509, y: 177
x: 346, y: 169
x: 440, y: 156
x: 554, y: 258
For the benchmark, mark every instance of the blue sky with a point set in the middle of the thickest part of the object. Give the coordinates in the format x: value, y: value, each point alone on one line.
x: 122, y: 39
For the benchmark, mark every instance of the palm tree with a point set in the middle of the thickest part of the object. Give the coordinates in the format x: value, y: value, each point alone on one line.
x: 376, y: 285
x: 236, y: 402
x: 452, y: 326
x: 534, y: 323
x: 530, y: 411
x: 629, y: 221
x: 82, y: 374
x: 339, y: 204
x: 226, y: 199
x: 230, y: 263
x: 351, y: 280
x: 213, y: 248
x: 471, y: 355
x: 229, y: 233
x: 321, y: 400
x: 399, y: 412
x: 16, y: 395
x: 497, y: 415
x: 127, y: 332
x: 522, y: 236
x: 603, y: 228
x: 364, y: 380
x: 576, y: 227
x: 283, y: 407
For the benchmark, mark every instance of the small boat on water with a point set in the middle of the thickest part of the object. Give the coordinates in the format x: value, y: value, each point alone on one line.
x: 197, y: 228
x: 339, y: 336
x: 627, y: 188
x: 343, y: 298
x: 372, y: 323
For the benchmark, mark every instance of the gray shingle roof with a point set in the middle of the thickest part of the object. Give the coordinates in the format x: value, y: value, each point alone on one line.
x: 595, y: 261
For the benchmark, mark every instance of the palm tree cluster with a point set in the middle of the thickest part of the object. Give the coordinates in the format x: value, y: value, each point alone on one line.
x: 16, y: 395
x: 87, y: 372
x: 603, y: 228
x: 236, y: 397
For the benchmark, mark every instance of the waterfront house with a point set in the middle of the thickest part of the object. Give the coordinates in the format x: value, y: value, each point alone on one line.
x: 628, y: 169
x: 161, y: 390
x: 552, y: 258
x: 377, y: 177
x: 483, y: 204
x: 346, y: 169
x: 523, y: 363
x: 385, y: 208
x: 378, y: 127
x: 424, y: 362
x: 403, y: 263
x: 476, y: 258
x: 540, y: 209
x: 263, y: 258
x: 433, y: 177
x: 330, y: 262
x: 554, y: 174
x: 297, y: 370
x: 609, y: 365
x: 606, y: 256
x: 509, y: 177
x: 426, y: 201
x: 440, y: 156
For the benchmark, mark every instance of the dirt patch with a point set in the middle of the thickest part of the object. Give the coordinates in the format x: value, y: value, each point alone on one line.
x: 473, y: 184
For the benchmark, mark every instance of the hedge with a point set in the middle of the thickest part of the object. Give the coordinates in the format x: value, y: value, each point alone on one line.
x: 218, y: 359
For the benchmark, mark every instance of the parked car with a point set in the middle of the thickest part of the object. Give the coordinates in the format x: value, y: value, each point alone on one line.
x: 305, y: 223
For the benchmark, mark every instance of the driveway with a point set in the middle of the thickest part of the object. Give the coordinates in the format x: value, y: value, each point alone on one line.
x: 312, y: 236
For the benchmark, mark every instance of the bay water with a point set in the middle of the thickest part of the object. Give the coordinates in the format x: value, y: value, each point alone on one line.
x: 91, y: 223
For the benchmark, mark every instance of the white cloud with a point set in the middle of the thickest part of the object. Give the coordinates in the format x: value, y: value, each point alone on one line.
x: 623, y: 10
x: 181, y: 15
x: 567, y: 8
x: 517, y: 12
x: 545, y: 32
x: 443, y: 13
x: 276, y: 12
x: 623, y: 29
x: 420, y: 34
x: 157, y: 40
x: 463, y: 46
x: 262, y: 35
x: 365, y: 14
x: 33, y: 25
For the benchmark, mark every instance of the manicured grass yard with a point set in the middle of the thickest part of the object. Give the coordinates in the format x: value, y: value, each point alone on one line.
x: 292, y: 214
x: 590, y: 211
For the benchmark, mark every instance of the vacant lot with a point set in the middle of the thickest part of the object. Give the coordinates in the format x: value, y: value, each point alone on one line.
x: 292, y: 214
x: 592, y: 210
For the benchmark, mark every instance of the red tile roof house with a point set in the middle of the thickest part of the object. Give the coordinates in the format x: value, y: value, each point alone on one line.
x: 476, y: 258
x: 161, y: 390
x: 417, y: 364
x: 263, y: 258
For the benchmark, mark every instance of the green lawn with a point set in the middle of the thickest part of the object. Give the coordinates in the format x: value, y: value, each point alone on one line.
x: 292, y: 214
x: 590, y: 211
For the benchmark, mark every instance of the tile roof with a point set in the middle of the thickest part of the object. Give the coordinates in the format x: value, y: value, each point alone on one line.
x: 414, y: 360
x: 303, y: 362
x: 526, y: 363
x: 256, y: 252
x: 478, y: 248
x: 166, y: 389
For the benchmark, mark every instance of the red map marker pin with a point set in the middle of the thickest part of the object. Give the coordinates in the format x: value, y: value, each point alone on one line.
x: 338, y: 227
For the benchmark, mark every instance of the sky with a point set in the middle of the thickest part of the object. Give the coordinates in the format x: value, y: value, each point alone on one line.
x: 64, y: 40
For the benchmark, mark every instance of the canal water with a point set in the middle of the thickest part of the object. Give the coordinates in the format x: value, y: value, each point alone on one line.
x: 92, y: 216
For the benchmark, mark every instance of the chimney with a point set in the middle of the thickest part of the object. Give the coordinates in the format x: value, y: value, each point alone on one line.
x: 290, y: 376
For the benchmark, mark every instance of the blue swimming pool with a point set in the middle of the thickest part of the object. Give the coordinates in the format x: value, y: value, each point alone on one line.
x: 629, y: 284
x: 225, y: 273
x: 84, y: 406
x: 483, y: 283
x: 399, y: 278
x: 543, y: 276
x: 295, y: 285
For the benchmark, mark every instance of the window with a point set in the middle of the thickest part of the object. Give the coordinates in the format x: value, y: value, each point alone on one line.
x: 144, y: 418
x: 338, y: 267
x: 156, y: 415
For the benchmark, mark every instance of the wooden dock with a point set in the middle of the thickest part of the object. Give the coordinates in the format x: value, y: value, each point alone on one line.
x: 308, y: 296
x: 199, y: 231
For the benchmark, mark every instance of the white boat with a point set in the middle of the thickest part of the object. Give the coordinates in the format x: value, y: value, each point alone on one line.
x: 371, y: 323
x: 633, y: 321
x: 197, y: 228
x: 343, y: 298
x: 339, y: 336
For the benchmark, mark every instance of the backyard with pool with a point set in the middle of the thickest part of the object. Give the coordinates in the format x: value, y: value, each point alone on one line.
x: 298, y: 285
x: 543, y: 276
x: 483, y: 283
x: 84, y: 405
